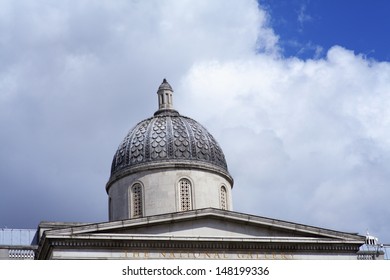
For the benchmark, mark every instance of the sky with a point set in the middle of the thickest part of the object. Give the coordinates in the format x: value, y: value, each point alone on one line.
x: 295, y: 92
x: 307, y: 29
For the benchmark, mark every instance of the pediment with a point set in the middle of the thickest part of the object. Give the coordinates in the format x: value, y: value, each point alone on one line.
x: 206, y: 223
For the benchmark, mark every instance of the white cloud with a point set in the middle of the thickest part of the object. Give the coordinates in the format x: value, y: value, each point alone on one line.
x: 303, y: 17
x: 305, y: 140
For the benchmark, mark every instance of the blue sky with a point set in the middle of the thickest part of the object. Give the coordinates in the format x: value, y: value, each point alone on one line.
x: 307, y: 26
x: 295, y: 92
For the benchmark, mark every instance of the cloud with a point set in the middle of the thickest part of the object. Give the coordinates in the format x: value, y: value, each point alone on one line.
x: 306, y: 140
x: 302, y: 16
x: 75, y: 77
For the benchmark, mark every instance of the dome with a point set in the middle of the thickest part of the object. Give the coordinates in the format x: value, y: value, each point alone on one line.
x: 168, y: 139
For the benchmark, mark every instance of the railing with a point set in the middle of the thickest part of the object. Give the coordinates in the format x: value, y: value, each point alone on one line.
x: 366, y: 257
x: 21, y: 254
x: 371, y: 255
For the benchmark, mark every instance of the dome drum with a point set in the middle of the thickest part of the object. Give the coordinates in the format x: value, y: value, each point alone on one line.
x: 162, y: 194
x: 170, y: 165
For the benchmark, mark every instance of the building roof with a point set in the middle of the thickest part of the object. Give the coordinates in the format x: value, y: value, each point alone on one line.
x: 18, y: 236
x: 168, y: 138
x: 202, y: 230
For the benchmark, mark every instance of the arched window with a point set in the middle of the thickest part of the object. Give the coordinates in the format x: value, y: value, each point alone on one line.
x: 185, y: 195
x: 136, y: 201
x: 223, y: 198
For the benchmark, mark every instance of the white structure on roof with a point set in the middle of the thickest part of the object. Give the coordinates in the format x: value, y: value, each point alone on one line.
x: 167, y: 163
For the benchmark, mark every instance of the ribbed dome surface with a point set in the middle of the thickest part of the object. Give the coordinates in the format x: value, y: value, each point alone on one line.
x: 168, y: 137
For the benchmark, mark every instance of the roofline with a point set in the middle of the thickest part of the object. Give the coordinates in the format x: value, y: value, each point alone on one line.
x: 152, y: 237
x: 199, y: 213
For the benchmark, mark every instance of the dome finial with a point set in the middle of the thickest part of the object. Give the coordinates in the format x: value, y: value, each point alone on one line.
x: 165, y: 92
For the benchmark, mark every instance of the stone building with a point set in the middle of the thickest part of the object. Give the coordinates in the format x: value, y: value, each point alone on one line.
x: 170, y: 197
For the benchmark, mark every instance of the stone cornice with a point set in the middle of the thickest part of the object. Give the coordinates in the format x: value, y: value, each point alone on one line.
x: 169, y: 165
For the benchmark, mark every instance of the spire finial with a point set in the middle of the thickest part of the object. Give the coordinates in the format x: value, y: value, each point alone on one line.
x: 164, y: 93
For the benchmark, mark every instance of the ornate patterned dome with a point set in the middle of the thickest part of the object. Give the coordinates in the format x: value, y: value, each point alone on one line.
x: 168, y: 139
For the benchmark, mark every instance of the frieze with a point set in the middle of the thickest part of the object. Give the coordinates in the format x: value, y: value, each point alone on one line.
x: 205, y: 246
x: 209, y: 255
